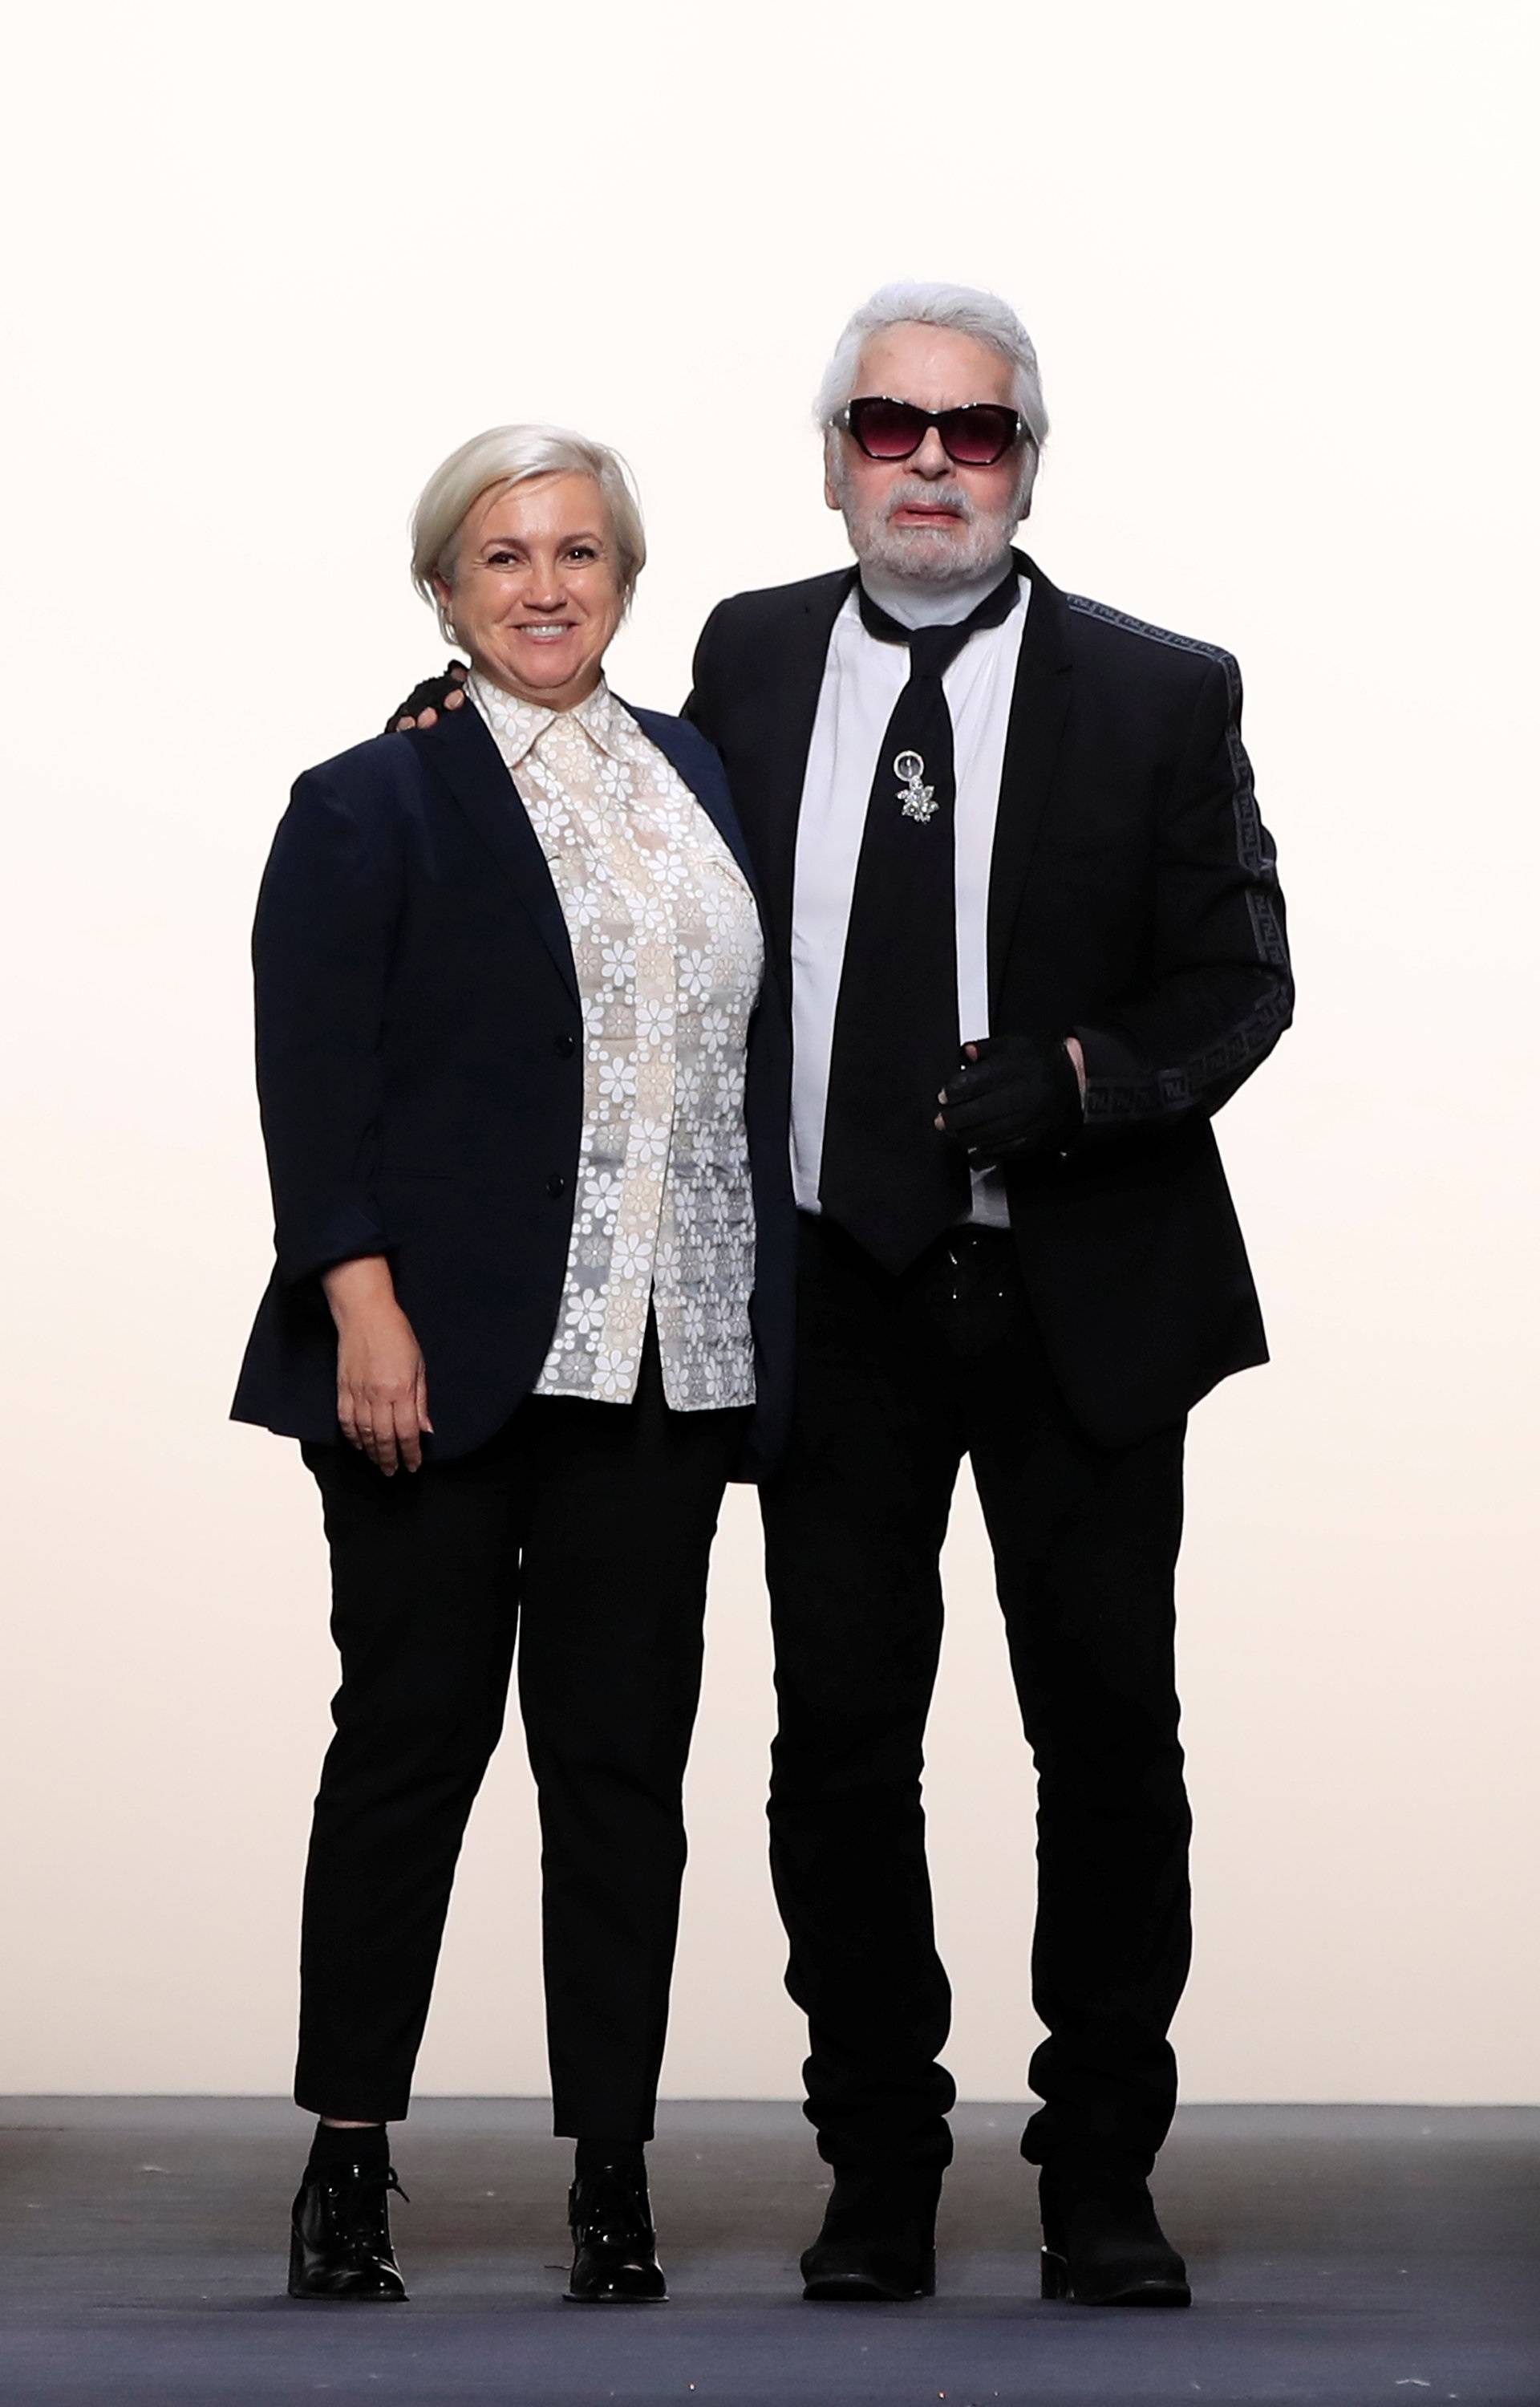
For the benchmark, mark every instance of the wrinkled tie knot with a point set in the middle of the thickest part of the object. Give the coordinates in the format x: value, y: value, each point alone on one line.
x: 933, y: 649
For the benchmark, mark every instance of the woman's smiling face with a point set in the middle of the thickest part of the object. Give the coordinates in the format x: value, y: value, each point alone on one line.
x: 535, y: 596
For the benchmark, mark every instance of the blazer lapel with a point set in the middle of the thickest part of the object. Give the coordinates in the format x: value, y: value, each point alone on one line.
x: 1039, y: 707
x: 775, y: 806
x: 461, y: 755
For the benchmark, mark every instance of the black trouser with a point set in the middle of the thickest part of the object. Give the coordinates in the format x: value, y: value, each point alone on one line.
x: 589, y: 1526
x: 896, y: 1379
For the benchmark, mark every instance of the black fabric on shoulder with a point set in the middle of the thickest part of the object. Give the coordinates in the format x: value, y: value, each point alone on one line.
x: 431, y: 694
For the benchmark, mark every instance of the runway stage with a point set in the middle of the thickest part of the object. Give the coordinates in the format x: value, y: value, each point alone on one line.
x: 1338, y: 2255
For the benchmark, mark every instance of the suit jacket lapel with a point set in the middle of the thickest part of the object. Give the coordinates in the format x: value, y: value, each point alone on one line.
x: 460, y: 752
x: 1039, y: 707
x: 776, y: 807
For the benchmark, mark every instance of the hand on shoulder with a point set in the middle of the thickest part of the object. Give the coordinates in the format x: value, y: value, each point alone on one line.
x: 422, y: 706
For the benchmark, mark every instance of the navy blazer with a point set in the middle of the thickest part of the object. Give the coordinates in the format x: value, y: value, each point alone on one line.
x: 420, y: 1064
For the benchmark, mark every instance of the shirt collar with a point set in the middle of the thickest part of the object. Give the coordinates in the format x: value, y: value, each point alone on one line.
x: 915, y: 603
x: 518, y: 725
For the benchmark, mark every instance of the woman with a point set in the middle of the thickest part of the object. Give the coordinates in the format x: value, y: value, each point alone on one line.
x: 525, y: 1111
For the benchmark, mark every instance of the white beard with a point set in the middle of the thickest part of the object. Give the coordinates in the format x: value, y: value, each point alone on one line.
x: 956, y: 552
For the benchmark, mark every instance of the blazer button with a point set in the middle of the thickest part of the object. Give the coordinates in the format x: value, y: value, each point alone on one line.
x: 566, y: 1046
x: 556, y: 1183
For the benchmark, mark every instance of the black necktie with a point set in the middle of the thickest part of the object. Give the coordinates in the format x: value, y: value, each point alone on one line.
x: 889, y: 1176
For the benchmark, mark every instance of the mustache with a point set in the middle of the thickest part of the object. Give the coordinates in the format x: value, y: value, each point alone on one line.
x: 927, y: 493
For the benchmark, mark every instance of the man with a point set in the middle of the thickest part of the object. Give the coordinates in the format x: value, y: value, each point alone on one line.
x: 1015, y: 877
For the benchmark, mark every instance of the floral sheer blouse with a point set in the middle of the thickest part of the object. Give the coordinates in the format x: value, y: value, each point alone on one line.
x: 666, y: 941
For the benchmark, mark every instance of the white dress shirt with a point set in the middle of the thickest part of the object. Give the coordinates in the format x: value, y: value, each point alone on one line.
x: 863, y: 679
x: 669, y: 955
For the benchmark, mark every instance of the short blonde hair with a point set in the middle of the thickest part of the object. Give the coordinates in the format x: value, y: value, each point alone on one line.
x: 510, y: 455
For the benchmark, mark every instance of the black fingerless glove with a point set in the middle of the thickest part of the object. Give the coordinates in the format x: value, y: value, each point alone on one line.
x: 430, y: 695
x: 1020, y: 1099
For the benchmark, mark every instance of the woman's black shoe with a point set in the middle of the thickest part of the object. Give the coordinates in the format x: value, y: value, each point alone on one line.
x: 340, y: 2242
x: 615, y: 2247
x: 1103, y: 2245
x: 878, y: 2242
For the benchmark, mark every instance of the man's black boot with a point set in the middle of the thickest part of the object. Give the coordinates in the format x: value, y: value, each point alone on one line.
x: 615, y: 2247
x: 1102, y: 2243
x: 878, y: 2237
x: 340, y: 2235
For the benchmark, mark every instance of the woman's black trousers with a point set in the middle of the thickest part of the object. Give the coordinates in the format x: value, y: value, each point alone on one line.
x: 583, y: 1530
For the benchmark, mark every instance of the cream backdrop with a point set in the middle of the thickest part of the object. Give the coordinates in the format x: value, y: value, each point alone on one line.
x: 266, y: 266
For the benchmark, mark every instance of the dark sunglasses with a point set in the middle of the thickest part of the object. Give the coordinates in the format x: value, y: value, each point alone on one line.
x: 974, y: 436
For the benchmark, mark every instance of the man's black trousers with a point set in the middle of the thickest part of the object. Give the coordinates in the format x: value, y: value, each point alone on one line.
x: 587, y: 1528
x: 896, y: 1380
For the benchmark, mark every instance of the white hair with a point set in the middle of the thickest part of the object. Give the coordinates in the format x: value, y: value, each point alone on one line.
x: 510, y: 455
x: 965, y: 311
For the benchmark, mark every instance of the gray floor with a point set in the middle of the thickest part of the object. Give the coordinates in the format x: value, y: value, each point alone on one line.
x: 1338, y: 2255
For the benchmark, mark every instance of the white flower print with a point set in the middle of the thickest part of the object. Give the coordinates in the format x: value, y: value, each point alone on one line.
x: 617, y: 1078
x: 585, y: 1312
x: 694, y: 973
x: 692, y: 1316
x: 553, y: 826
x: 629, y: 1255
x: 650, y: 1144
x: 614, y: 1374
x: 667, y: 951
x: 655, y: 1019
x: 614, y: 781
x: 691, y: 1079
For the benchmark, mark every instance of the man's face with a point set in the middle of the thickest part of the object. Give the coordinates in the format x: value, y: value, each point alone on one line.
x: 925, y: 517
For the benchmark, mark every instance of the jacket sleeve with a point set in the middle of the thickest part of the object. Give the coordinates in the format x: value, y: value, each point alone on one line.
x: 1218, y: 994
x: 321, y: 949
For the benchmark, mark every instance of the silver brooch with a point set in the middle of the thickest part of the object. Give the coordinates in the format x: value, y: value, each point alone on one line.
x: 919, y: 801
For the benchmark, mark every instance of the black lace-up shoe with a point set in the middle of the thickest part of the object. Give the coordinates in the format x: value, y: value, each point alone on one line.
x: 340, y: 2242
x: 615, y: 2247
x: 878, y: 2240
x: 1103, y: 2245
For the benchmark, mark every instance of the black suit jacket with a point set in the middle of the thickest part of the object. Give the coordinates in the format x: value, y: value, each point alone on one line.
x: 1133, y: 900
x: 419, y: 1062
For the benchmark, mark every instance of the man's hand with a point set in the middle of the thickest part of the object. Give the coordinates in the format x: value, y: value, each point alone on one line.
x: 423, y: 703
x: 382, y: 1382
x: 1013, y: 1097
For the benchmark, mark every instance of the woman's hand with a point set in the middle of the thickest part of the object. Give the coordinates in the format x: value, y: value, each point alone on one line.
x: 382, y: 1382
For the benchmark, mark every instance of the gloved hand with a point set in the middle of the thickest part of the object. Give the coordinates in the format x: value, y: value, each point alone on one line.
x: 425, y: 700
x: 1020, y: 1098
